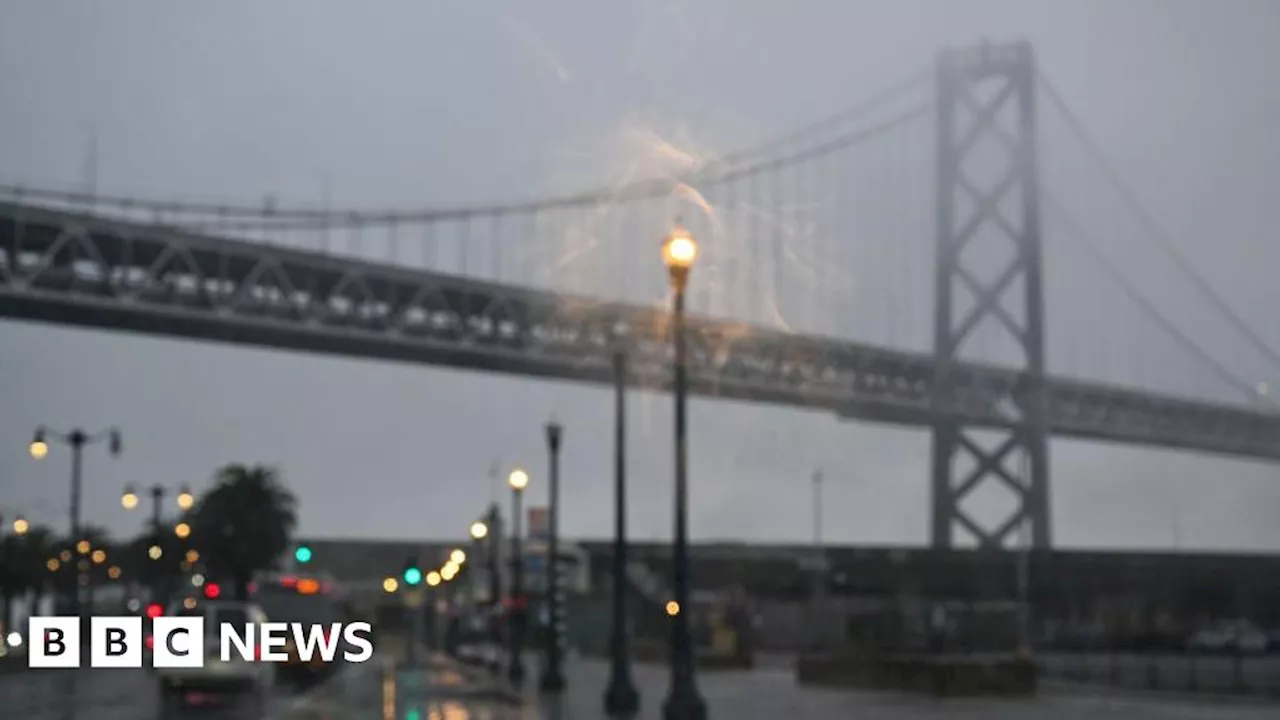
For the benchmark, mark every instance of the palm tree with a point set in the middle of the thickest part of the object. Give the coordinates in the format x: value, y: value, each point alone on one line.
x: 244, y: 524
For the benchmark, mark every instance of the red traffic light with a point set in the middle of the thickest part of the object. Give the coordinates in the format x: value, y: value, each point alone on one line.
x: 212, y: 591
x: 155, y: 610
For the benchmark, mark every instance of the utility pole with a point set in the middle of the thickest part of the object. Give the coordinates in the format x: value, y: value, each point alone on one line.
x: 327, y: 206
x: 1025, y: 540
x: 819, y: 565
x: 817, y: 509
x: 91, y: 165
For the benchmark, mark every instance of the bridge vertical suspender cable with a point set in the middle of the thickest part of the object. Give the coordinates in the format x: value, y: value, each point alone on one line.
x: 1148, y: 307
x: 1154, y: 228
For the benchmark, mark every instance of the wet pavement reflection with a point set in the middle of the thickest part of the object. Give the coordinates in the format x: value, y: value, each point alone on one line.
x: 444, y: 691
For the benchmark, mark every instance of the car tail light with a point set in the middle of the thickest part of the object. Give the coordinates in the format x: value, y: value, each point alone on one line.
x: 151, y: 642
x: 257, y: 654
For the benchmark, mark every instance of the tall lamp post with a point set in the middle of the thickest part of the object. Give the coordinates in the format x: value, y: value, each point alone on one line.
x: 518, y: 480
x: 552, y: 672
x: 620, y: 697
x: 77, y: 439
x: 683, y: 702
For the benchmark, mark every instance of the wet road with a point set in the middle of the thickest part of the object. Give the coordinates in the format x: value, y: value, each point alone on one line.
x: 372, y: 692
x: 106, y: 694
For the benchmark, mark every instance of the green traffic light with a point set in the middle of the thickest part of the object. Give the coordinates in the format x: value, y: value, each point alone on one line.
x: 412, y: 576
x: 302, y: 554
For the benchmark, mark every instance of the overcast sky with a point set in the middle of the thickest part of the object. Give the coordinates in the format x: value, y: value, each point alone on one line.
x: 433, y: 104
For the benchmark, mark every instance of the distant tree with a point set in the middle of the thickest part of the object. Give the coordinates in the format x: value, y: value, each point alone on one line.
x: 244, y: 524
x: 159, y: 574
x: 31, y: 553
x: 22, y: 567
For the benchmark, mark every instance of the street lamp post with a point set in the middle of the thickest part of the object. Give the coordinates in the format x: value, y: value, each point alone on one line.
x: 185, y: 501
x: 552, y: 672
x: 683, y: 702
x: 77, y: 439
x: 620, y: 697
x: 480, y: 534
x: 518, y: 480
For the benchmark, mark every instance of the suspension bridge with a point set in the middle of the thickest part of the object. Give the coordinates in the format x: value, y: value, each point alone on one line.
x: 886, y: 264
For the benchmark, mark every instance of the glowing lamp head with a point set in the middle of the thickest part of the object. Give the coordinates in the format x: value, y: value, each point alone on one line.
x: 154, y: 552
x: 186, y: 500
x: 83, y: 547
x: 433, y: 578
x: 390, y: 585
x: 479, y: 530
x: 129, y: 500
x: 457, y: 557
x: 679, y: 250
x: 182, y: 530
x: 39, y: 448
x: 20, y: 526
x: 673, y: 608
x: 518, y: 480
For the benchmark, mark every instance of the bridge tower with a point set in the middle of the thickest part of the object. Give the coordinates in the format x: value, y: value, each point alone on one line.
x: 1008, y: 296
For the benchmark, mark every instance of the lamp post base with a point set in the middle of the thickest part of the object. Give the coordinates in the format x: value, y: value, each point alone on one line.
x: 684, y: 703
x: 621, y: 699
x: 552, y: 682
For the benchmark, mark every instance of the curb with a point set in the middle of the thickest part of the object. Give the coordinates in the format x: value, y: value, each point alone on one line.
x: 1100, y: 691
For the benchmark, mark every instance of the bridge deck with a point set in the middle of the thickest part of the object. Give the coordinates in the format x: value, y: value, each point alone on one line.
x: 80, y: 270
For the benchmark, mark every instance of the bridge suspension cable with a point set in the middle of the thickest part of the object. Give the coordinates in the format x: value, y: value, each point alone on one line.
x: 723, y: 168
x: 1149, y: 308
x: 1154, y: 228
x: 640, y: 190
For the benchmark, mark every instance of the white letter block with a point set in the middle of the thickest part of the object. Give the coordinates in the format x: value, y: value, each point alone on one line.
x: 115, y: 642
x: 53, y: 642
x: 274, y: 635
x: 179, y: 642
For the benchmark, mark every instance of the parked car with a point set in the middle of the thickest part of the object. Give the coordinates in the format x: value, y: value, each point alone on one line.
x: 233, y: 677
x: 1230, y: 636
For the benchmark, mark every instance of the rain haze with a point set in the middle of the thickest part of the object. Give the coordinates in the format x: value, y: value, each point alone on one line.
x: 413, y: 104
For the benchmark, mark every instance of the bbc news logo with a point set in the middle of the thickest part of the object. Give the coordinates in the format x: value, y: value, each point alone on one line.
x: 179, y: 642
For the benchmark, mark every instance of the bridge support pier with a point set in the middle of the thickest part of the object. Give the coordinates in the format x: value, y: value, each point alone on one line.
x: 989, y: 251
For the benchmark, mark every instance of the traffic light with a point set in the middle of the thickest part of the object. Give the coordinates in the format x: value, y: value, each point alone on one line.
x: 302, y: 554
x: 412, y: 573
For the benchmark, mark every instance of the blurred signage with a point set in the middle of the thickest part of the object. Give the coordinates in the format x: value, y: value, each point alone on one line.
x: 539, y: 523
